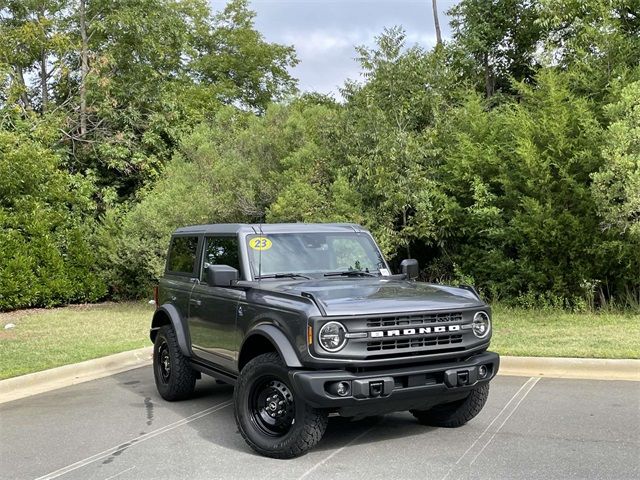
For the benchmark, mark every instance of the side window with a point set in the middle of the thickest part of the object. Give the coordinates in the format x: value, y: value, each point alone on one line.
x: 222, y: 251
x: 182, y: 254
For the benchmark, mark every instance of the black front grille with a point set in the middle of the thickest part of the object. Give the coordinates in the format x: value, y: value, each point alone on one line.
x: 422, y: 319
x: 414, y: 342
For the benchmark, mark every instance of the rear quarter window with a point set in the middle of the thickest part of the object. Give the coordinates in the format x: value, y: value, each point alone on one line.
x: 182, y: 255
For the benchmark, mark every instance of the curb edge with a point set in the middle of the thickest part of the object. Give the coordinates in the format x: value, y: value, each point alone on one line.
x: 46, y: 380
x: 571, y: 368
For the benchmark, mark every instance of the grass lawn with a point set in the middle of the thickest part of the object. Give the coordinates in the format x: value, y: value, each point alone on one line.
x: 540, y: 333
x: 49, y: 338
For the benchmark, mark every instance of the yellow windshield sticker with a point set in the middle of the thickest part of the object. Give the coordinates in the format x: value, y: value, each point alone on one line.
x: 260, y: 243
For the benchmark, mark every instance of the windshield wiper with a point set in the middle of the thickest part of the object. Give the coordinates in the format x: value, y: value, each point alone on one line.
x: 282, y: 275
x: 350, y: 273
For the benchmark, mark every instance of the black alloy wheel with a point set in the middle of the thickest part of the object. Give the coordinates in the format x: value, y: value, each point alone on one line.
x: 164, y: 362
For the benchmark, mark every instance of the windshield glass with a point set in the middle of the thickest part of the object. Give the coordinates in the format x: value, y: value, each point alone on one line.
x: 313, y: 253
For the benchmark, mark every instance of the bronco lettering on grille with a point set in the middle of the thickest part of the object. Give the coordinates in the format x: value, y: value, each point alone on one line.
x: 414, y: 331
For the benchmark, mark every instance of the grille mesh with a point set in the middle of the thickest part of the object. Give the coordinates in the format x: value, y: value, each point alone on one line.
x: 422, y: 319
x: 414, y: 342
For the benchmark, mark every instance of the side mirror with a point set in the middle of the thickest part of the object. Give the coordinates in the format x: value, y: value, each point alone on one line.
x: 220, y: 275
x: 410, y: 268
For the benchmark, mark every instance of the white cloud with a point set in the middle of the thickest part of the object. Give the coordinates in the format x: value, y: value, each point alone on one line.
x: 319, y: 42
x: 325, y: 32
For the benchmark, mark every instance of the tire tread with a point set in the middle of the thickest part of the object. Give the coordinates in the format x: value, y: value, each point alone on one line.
x: 456, y: 414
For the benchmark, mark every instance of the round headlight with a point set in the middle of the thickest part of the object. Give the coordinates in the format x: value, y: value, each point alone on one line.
x: 332, y: 336
x: 481, y: 324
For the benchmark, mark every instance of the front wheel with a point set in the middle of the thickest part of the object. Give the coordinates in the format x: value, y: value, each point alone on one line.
x: 457, y: 413
x: 271, y: 419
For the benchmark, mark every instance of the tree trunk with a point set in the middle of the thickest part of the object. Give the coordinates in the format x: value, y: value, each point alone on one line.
x: 84, y: 70
x: 434, y: 5
x: 44, y: 89
x: 43, y: 81
x: 19, y: 78
x: 488, y: 78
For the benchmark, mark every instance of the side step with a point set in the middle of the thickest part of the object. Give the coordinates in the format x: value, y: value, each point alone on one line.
x: 213, y: 372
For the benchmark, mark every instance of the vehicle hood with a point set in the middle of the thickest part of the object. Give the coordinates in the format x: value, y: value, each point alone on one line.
x: 361, y: 296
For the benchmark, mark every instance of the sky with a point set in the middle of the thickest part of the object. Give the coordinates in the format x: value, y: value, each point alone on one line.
x: 324, y: 32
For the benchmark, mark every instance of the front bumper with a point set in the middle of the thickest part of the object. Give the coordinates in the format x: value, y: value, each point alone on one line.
x: 377, y: 392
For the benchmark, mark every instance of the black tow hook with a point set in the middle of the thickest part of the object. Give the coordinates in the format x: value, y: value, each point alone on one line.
x: 461, y: 377
x: 376, y: 389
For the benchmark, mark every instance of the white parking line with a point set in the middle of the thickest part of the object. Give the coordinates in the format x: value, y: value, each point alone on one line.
x: 133, y: 442
x: 515, y: 407
x: 522, y: 392
x: 118, y: 474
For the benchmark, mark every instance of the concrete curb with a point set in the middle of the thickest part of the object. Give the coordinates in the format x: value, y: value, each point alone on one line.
x: 54, y: 378
x: 571, y: 368
x: 575, y: 368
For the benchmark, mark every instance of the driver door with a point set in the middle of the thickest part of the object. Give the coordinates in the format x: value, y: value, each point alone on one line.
x: 213, y: 310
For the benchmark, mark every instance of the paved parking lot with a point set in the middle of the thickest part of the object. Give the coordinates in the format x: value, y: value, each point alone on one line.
x: 119, y: 428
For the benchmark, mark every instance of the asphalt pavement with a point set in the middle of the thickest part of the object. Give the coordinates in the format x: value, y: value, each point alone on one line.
x: 119, y: 428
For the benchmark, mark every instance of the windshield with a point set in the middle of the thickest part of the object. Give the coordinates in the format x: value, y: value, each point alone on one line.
x: 313, y: 253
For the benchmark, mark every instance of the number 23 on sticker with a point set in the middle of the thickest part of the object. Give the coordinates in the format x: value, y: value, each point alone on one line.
x: 260, y: 243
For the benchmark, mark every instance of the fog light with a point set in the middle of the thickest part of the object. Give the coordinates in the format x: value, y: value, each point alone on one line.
x: 482, y: 371
x: 343, y: 389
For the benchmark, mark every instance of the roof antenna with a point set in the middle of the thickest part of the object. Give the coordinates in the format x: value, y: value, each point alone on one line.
x: 260, y: 252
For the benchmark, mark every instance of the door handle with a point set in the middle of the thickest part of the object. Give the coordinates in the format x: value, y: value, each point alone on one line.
x: 195, y: 301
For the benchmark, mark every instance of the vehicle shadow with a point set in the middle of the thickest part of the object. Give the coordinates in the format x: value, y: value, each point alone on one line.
x: 220, y: 428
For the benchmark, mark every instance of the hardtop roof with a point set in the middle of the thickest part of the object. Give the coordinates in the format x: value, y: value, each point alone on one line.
x: 234, y: 228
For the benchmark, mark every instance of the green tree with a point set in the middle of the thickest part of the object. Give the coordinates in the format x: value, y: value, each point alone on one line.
x: 497, y: 41
x: 33, y: 39
x: 133, y: 76
x: 598, y: 41
x: 617, y: 185
x: 520, y: 176
x: 386, y: 172
x: 224, y: 171
x: 45, y: 223
x: 243, y: 67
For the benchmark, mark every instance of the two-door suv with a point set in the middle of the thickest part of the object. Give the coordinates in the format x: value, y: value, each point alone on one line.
x: 307, y: 320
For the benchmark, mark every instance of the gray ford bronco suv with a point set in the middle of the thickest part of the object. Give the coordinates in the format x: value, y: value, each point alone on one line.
x: 307, y: 320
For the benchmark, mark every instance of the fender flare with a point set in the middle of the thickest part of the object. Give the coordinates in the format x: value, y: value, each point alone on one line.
x: 179, y: 326
x: 279, y: 340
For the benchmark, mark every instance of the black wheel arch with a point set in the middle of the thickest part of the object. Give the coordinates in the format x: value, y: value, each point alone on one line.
x: 267, y: 338
x: 167, y: 314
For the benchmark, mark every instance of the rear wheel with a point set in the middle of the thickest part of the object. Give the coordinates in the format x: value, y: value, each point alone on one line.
x: 175, y: 379
x: 457, y: 413
x: 269, y: 416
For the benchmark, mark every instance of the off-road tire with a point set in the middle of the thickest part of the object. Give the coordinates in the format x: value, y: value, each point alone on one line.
x: 181, y: 381
x: 455, y: 414
x: 309, y: 424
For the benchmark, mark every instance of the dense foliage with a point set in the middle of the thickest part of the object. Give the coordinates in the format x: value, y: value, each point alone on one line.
x: 508, y: 157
